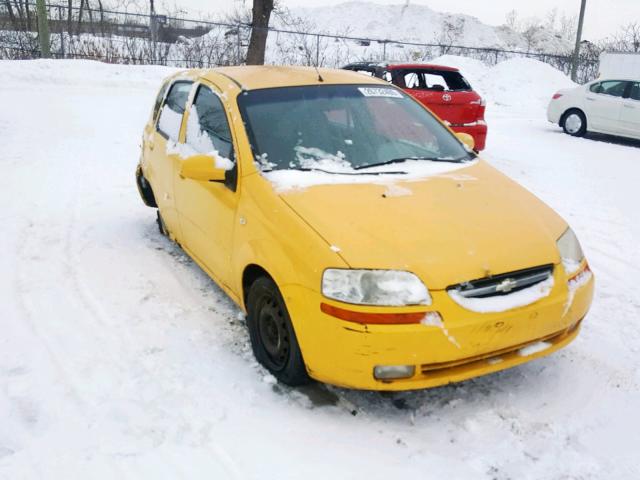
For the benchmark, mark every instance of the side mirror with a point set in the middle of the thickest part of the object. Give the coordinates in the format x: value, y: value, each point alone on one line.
x: 202, y: 167
x: 466, y: 139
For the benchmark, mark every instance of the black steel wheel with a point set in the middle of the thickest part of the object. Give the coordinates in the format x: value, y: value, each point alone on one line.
x: 272, y: 336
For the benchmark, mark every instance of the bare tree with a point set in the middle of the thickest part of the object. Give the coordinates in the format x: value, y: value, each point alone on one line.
x: 629, y: 38
x: 530, y: 33
x: 259, y: 30
x: 450, y: 34
x: 511, y: 20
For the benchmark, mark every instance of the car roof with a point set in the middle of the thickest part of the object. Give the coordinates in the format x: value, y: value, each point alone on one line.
x: 421, y: 66
x: 400, y: 66
x: 620, y: 78
x: 253, y: 77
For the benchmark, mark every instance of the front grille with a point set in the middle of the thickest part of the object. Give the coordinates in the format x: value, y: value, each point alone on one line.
x: 504, y: 283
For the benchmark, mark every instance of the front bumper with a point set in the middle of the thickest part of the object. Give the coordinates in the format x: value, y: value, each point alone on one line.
x: 478, y: 131
x: 470, y: 344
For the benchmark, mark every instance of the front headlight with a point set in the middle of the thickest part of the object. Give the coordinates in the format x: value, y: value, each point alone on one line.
x: 570, y: 251
x: 374, y: 287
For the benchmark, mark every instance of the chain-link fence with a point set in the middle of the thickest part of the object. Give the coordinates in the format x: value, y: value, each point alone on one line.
x: 135, y: 38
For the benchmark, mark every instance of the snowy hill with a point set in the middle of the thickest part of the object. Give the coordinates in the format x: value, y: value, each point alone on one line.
x: 419, y: 23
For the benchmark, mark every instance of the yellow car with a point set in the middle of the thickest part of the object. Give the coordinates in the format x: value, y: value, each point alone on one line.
x: 368, y: 245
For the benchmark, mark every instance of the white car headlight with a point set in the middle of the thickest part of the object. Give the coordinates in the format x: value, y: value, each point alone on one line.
x: 570, y: 251
x: 374, y: 287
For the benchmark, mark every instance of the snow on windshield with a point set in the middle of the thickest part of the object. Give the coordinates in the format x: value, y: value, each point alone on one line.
x: 333, y: 170
x: 313, y: 135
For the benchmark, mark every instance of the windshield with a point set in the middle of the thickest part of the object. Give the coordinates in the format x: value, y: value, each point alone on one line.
x: 342, y: 128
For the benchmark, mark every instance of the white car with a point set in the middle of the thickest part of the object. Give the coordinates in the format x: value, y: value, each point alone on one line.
x: 603, y: 106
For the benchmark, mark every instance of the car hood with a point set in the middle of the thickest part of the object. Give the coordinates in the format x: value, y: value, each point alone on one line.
x: 448, y: 228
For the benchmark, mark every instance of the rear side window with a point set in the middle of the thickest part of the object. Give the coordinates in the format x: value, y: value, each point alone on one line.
x: 159, y: 99
x: 208, y: 129
x: 437, y: 80
x: 615, y: 88
x: 171, y: 114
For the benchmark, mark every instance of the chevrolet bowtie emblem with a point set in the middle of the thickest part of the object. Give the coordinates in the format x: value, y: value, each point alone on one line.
x: 506, y: 285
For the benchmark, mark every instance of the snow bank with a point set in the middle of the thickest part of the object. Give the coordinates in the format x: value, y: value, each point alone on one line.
x: 522, y: 82
x: 472, y: 69
x: 518, y: 82
x: 82, y: 74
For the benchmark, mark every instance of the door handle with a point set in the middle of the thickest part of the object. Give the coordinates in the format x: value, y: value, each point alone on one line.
x: 628, y: 106
x: 591, y: 99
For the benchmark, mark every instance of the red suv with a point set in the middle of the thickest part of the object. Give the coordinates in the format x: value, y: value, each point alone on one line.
x: 441, y: 89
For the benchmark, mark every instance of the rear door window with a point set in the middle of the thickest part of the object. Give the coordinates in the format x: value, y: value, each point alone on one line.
x: 634, y: 93
x: 159, y: 99
x: 614, y: 88
x: 173, y: 109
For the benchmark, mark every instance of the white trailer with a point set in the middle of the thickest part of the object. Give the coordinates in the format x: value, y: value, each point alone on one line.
x: 620, y: 65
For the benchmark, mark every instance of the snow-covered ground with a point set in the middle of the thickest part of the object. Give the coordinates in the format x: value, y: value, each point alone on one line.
x: 119, y: 358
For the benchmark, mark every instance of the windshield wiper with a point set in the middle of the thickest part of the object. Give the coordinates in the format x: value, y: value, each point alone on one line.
x: 307, y: 169
x: 404, y: 159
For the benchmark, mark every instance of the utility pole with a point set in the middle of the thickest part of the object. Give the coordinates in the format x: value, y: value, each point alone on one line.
x: 43, y: 29
x: 576, y: 51
x: 153, y: 29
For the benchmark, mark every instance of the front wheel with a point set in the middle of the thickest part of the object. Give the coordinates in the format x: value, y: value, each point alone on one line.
x: 272, y: 336
x: 574, y: 123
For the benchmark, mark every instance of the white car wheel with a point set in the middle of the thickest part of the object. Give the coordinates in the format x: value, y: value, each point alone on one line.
x: 574, y: 123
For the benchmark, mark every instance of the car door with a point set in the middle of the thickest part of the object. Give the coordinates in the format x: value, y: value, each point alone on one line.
x: 630, y: 112
x: 603, y: 103
x: 158, y: 147
x: 207, y: 210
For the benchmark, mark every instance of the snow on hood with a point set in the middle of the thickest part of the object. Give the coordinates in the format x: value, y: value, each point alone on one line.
x: 453, y: 227
x: 342, y: 173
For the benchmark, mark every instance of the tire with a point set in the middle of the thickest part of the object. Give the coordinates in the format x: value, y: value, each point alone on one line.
x: 162, y: 227
x: 273, y: 339
x: 144, y: 189
x: 574, y: 123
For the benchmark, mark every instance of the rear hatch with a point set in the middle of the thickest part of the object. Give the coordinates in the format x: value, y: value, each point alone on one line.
x: 445, y: 92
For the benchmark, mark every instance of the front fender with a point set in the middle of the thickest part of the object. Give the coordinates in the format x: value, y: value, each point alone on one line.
x: 272, y: 236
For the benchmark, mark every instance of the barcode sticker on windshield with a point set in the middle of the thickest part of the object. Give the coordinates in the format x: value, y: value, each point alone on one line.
x: 379, y: 92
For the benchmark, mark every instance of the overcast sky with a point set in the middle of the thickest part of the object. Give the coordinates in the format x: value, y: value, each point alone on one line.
x: 602, y: 18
